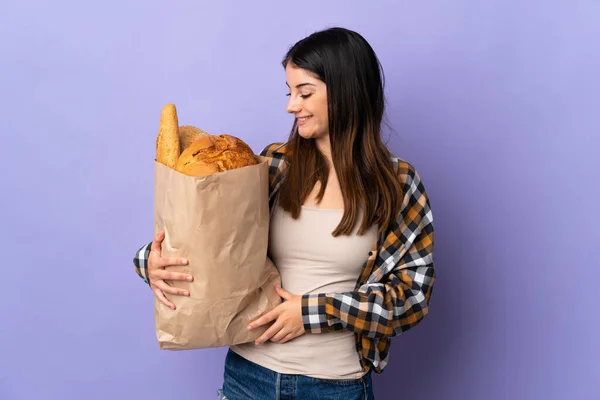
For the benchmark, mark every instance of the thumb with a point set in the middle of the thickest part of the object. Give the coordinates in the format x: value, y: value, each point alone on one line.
x: 156, y: 243
x: 283, y: 293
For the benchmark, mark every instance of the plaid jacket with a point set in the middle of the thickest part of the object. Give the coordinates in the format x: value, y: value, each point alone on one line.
x: 393, y: 291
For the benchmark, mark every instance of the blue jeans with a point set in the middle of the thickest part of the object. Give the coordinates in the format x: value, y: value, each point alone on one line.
x: 245, y: 380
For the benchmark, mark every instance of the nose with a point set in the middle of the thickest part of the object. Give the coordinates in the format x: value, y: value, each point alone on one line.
x: 293, y: 107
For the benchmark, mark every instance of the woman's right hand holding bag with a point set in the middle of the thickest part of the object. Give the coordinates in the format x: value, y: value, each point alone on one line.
x: 157, y: 273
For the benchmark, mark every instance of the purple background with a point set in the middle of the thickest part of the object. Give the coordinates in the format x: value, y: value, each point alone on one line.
x: 496, y: 103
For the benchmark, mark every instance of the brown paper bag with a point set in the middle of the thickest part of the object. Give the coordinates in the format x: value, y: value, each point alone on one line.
x: 220, y: 223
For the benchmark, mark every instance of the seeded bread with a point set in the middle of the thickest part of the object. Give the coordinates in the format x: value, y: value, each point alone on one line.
x: 167, y: 142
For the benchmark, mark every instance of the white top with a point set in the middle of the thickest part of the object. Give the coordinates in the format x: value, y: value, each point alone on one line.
x: 311, y: 260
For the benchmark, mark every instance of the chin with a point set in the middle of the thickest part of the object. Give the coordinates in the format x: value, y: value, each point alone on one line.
x: 306, y: 135
x: 310, y: 134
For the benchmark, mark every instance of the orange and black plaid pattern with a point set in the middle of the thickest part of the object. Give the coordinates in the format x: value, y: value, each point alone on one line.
x: 393, y: 291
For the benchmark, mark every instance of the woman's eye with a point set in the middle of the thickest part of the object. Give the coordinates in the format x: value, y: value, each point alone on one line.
x: 304, y: 96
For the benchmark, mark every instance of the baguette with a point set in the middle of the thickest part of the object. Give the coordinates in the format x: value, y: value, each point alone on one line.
x: 167, y: 142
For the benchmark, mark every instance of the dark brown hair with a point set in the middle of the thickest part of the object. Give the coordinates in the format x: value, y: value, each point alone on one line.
x: 348, y: 66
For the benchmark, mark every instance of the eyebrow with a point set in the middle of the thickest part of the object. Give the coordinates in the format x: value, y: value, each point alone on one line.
x: 302, y: 84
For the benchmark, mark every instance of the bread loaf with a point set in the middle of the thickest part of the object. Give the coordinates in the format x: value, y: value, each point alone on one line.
x: 188, y: 134
x: 211, y: 154
x: 167, y: 142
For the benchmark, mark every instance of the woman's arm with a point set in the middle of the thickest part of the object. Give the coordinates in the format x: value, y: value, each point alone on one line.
x: 397, y: 295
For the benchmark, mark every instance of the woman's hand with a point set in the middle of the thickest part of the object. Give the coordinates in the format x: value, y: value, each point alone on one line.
x: 157, y: 273
x: 287, y: 316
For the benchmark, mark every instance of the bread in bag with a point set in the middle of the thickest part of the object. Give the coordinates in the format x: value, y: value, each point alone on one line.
x: 188, y: 134
x: 211, y: 154
x: 167, y: 142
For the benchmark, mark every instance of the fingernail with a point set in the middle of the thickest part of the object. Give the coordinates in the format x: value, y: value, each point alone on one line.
x: 186, y: 293
x: 189, y: 278
x: 249, y: 327
x: 184, y: 261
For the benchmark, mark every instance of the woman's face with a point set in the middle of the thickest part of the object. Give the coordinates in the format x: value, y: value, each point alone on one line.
x: 308, y: 103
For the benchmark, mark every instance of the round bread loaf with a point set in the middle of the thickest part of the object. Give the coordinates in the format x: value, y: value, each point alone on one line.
x: 211, y: 154
x: 188, y: 134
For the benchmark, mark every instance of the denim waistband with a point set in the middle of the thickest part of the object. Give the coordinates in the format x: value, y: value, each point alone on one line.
x: 245, y: 380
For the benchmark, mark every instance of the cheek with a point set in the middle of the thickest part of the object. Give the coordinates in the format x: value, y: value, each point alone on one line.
x: 324, y: 120
x: 322, y: 110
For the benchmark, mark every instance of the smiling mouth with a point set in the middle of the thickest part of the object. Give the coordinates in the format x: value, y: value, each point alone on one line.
x: 302, y: 119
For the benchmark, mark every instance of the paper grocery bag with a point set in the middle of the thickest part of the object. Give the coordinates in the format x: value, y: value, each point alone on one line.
x: 220, y: 223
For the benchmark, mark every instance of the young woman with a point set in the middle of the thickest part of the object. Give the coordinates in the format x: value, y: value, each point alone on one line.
x: 351, y: 234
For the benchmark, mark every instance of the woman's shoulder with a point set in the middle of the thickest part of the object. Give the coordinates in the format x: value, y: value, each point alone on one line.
x: 274, y: 149
x: 405, y: 171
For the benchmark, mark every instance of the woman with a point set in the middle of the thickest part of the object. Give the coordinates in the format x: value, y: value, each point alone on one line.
x: 351, y: 234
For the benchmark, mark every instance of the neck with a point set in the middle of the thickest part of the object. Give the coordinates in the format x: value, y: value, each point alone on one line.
x: 324, y: 146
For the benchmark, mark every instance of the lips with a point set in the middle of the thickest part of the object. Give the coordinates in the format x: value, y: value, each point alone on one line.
x: 302, y: 120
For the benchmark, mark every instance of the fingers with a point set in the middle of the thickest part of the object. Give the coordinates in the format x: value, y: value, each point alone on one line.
x: 288, y: 337
x: 160, y: 287
x: 168, y: 261
x: 156, y: 248
x: 172, y: 276
x: 280, y: 335
x: 165, y: 288
x: 268, y: 334
x: 159, y: 294
x: 160, y: 274
x: 268, y: 317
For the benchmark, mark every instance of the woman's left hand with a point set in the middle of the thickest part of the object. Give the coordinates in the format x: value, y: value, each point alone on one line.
x: 287, y: 316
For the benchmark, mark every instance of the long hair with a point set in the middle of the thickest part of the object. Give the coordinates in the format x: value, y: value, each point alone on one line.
x: 353, y: 75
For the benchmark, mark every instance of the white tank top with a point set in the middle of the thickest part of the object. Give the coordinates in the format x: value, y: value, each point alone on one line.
x: 310, y: 260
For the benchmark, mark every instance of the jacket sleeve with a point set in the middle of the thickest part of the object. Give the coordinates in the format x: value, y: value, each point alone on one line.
x: 140, y: 261
x: 396, y: 296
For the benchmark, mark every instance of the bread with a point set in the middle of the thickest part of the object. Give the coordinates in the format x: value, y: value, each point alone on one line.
x: 211, y: 154
x: 167, y: 142
x: 188, y: 134
x: 193, y: 152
